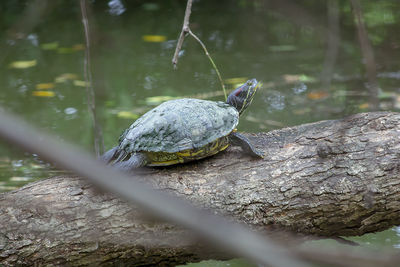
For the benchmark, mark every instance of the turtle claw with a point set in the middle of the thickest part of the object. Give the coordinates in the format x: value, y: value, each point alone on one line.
x: 258, y: 154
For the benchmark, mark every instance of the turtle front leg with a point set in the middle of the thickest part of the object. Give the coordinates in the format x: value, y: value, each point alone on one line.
x: 240, y: 140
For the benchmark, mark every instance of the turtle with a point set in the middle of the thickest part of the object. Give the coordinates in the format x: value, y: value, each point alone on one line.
x: 182, y: 130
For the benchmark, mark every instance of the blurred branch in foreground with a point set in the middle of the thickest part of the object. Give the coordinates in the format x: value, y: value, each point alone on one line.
x: 315, y: 180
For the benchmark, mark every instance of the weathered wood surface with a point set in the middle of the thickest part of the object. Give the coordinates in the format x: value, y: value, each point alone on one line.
x: 328, y: 178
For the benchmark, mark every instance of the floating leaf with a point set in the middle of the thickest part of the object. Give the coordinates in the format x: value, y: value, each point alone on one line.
x: 43, y: 93
x: 383, y: 94
x: 44, y: 86
x: 364, y: 106
x: 344, y: 93
x: 65, y: 50
x: 19, y: 179
x: 305, y: 78
x: 317, y: 95
x: 155, y: 100
x: 282, y: 48
x: 289, y: 78
x: 23, y: 64
x: 78, y: 47
x: 127, y: 115
x: 49, y: 46
x: 154, y: 38
x: 36, y: 166
x: 80, y: 83
x: 8, y: 187
x: 65, y: 77
x: 301, y: 111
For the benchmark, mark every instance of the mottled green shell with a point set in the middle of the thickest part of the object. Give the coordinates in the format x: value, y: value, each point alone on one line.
x: 178, y: 125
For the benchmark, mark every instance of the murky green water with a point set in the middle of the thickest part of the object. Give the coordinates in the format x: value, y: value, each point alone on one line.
x: 311, y: 66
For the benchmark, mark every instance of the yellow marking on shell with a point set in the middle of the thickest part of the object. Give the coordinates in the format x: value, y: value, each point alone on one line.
x: 213, y: 149
x: 166, y: 163
x: 165, y: 158
x: 188, y: 153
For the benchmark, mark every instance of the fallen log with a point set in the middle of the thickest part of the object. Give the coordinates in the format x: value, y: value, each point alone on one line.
x: 330, y: 178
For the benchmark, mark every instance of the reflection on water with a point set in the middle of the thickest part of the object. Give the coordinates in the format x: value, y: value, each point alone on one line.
x: 307, y: 53
x: 397, y: 229
x: 18, y: 170
x: 385, y: 239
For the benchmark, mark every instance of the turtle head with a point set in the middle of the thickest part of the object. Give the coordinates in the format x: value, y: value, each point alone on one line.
x: 242, y: 96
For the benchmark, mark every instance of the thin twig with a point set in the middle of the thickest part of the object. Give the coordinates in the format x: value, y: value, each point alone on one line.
x: 186, y: 30
x: 98, y: 135
x: 211, y: 60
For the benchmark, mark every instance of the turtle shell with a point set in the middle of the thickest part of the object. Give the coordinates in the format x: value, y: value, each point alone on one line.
x: 178, y: 125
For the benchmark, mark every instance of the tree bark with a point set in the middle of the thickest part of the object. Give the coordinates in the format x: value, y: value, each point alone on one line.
x: 330, y: 178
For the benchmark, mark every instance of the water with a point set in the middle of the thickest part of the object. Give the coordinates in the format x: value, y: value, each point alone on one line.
x: 312, y: 69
